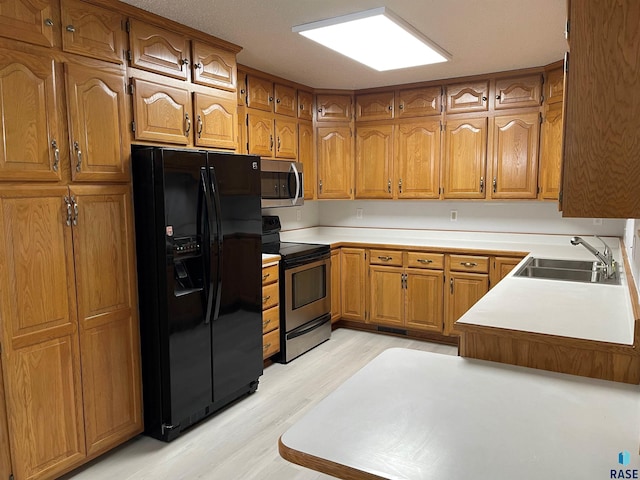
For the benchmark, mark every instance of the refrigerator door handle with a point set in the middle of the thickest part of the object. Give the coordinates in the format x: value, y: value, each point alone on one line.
x: 216, y: 201
x: 295, y: 172
x: 206, y: 241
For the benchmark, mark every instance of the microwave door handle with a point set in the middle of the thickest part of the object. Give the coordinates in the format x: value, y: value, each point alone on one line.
x: 206, y: 241
x: 216, y: 200
x: 295, y: 171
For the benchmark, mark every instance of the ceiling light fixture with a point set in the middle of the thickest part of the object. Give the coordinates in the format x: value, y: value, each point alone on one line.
x: 377, y: 38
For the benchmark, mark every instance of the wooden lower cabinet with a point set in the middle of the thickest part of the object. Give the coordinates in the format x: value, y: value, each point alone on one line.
x: 336, y: 293
x: 500, y: 268
x: 70, y: 346
x: 353, y: 283
x: 5, y: 452
x: 270, y: 311
x: 387, y: 296
x: 465, y: 289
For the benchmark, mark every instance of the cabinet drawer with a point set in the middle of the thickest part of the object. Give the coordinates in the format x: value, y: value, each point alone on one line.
x: 386, y: 257
x: 270, y: 343
x: 469, y: 263
x: 269, y: 274
x: 269, y: 296
x: 270, y: 319
x: 425, y: 260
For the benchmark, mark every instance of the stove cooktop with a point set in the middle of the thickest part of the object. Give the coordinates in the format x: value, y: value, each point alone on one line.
x: 288, y: 250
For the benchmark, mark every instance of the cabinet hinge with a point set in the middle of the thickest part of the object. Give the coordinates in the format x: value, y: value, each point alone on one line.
x: 133, y: 126
x: 129, y: 55
x: 127, y: 26
x: 130, y: 88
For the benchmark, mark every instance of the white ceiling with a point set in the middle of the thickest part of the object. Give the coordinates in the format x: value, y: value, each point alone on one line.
x: 482, y: 35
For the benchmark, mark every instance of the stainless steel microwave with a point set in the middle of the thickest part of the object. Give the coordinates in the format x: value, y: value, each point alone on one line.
x: 282, y: 183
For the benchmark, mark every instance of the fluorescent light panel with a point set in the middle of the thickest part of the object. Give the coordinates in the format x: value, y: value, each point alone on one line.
x: 377, y: 38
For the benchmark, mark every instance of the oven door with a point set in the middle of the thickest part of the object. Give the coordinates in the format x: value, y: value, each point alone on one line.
x: 307, y: 293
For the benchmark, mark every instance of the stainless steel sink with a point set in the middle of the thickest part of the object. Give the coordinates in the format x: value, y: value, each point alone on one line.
x: 567, y: 270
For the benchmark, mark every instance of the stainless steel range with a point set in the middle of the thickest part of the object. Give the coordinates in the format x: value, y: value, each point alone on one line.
x: 305, y: 292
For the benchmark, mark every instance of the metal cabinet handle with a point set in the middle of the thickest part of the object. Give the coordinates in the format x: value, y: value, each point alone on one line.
x: 75, y: 210
x: 301, y: 107
x: 389, y: 186
x: 76, y: 147
x: 200, y: 125
x: 71, y: 28
x: 424, y: 260
x: 265, y: 276
x: 56, y: 155
x: 451, y: 285
x: 242, y: 91
x: 469, y: 264
x: 188, y: 121
x: 266, y: 299
x: 270, y: 99
x: 183, y: 61
x: 67, y: 201
x: 270, y: 142
x: 400, y: 185
x: 199, y: 65
x: 385, y: 259
x: 481, y: 184
x: 265, y: 323
x: 278, y: 142
x: 484, y: 99
x: 497, y: 97
x: 320, y: 182
x: 266, y: 347
x: 390, y: 107
x: 401, y: 106
x: 320, y: 110
x: 48, y: 22
x: 277, y: 100
x: 495, y: 184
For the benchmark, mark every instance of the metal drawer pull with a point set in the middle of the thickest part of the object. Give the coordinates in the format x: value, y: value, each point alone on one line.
x: 266, y: 346
x: 469, y: 264
x: 266, y: 299
x: 265, y: 276
x: 424, y: 260
x: 265, y: 323
x: 385, y: 259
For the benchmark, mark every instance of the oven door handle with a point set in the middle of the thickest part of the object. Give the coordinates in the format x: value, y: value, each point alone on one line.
x: 295, y: 172
x: 310, y: 327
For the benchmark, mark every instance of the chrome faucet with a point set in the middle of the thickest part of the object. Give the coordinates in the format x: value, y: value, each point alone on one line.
x: 606, y: 257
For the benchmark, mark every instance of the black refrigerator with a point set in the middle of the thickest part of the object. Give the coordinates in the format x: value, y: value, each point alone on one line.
x: 198, y: 243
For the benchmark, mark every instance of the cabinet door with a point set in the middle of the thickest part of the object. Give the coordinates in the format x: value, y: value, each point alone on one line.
x: 515, y: 156
x: 333, y: 108
x: 216, y: 122
x: 92, y: 31
x: 305, y: 105
x: 259, y: 93
x: 286, y: 138
x: 285, y: 100
x: 374, y: 156
x: 260, y: 133
x: 5, y: 452
x: 96, y: 103
x: 500, y: 267
x: 305, y: 156
x: 103, y: 242
x: 465, y: 289
x: 468, y: 97
x: 213, y: 66
x: 335, y: 166
x: 39, y: 332
x: 161, y: 113
x: 518, y: 92
x: 158, y: 50
x: 28, y: 108
x: 374, y: 106
x: 551, y: 152
x: 386, y: 296
x: 32, y: 21
x: 353, y: 284
x: 243, y: 147
x: 419, y: 102
x: 336, y: 293
x: 417, y: 159
x: 465, y: 158
x: 554, y: 86
x: 424, y: 300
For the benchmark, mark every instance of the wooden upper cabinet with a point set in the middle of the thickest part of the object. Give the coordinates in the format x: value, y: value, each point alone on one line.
x: 216, y: 122
x: 417, y: 159
x: 31, y: 147
x: 335, y: 165
x: 518, y: 92
x: 285, y: 100
x: 601, y: 171
x: 213, y: 66
x: 242, y: 88
x: 96, y: 103
x: 157, y: 50
x: 333, y: 108
x: 259, y: 93
x: 286, y: 138
x: 105, y: 269
x: 551, y: 152
x: 162, y: 113
x: 305, y: 105
x: 554, y: 86
x: 40, y: 350
x: 374, y: 106
x: 260, y: 133
x: 374, y: 161
x: 515, y: 156
x: 465, y: 158
x: 306, y: 148
x: 418, y: 102
x: 468, y: 97
x: 92, y: 31
x: 33, y: 21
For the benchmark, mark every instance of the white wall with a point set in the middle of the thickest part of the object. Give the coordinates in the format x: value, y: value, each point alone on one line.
x: 632, y: 244
x: 292, y: 218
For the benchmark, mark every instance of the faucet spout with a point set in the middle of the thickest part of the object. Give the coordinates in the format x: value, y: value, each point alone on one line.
x: 606, y: 257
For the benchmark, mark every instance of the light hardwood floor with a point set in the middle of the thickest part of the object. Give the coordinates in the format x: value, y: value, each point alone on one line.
x: 240, y: 443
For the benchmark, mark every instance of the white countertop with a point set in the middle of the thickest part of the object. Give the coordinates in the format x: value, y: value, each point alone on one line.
x: 568, y: 309
x: 417, y: 415
x: 269, y: 259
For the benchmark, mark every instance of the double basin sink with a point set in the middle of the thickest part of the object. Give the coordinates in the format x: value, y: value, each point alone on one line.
x: 567, y: 270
